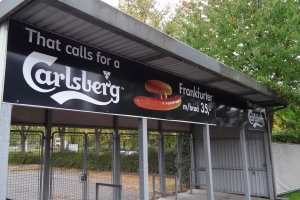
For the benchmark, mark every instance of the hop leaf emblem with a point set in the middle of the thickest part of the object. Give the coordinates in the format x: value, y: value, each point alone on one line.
x: 106, y: 74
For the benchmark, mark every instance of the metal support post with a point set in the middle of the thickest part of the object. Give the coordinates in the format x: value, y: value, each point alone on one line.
x: 116, y: 157
x: 41, y: 170
x: 244, y: 155
x: 4, y: 146
x: 143, y: 158
x: 3, y: 52
x: 269, y: 167
x: 272, y: 162
x: 271, y: 157
x: 161, y: 159
x: 208, y: 166
x: 179, y: 164
x: 47, y: 144
x: 85, y: 168
x: 193, y: 164
x: 5, y: 114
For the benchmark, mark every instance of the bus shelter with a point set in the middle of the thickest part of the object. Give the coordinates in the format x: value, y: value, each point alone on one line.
x: 84, y: 63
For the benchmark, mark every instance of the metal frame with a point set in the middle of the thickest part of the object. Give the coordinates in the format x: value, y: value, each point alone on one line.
x: 85, y: 171
x: 179, y: 162
x: 6, y: 110
x: 85, y: 160
x: 161, y: 157
x: 31, y: 131
x: 204, y: 130
x: 244, y: 156
x: 271, y: 172
x: 115, y: 186
x: 193, y: 181
x: 3, y: 52
x: 42, y: 156
x: 143, y: 158
x: 269, y: 165
x: 192, y: 150
x: 4, y: 146
x: 179, y: 159
x: 46, y: 189
x: 85, y: 168
x: 164, y: 193
x: 253, y: 169
x: 116, y: 164
x: 208, y: 166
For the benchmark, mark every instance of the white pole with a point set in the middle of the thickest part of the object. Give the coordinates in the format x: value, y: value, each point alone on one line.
x: 208, y: 166
x: 143, y: 159
x: 244, y: 154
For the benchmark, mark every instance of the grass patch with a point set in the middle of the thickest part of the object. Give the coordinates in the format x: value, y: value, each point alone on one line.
x: 292, y: 196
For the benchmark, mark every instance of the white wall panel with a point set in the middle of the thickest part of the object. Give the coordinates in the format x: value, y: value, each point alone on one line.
x: 286, y: 167
x: 227, y: 163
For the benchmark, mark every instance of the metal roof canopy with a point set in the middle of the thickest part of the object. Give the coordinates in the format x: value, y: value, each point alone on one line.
x: 95, y: 23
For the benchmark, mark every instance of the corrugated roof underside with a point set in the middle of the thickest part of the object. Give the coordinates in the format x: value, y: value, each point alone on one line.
x: 53, y: 19
x: 227, y: 86
x: 177, y: 67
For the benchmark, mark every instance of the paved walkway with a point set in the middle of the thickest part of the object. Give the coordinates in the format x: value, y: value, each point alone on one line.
x: 201, y: 195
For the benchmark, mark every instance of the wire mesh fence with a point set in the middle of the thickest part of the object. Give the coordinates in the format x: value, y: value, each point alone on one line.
x: 25, y: 160
x: 99, y: 154
x: 130, y: 178
x: 169, y: 186
x: 79, y: 160
x: 68, y: 176
x: 106, y: 191
x: 130, y: 181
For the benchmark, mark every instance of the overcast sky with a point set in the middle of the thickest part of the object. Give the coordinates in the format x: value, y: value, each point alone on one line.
x: 114, y: 3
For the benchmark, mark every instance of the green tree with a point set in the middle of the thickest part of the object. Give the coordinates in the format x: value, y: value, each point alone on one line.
x: 257, y: 38
x: 129, y: 140
x: 61, y: 133
x: 287, y: 122
x: 150, y: 12
x: 97, y: 140
x: 23, y: 135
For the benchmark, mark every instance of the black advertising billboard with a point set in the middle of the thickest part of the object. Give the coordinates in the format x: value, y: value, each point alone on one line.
x: 251, y: 116
x: 45, y: 69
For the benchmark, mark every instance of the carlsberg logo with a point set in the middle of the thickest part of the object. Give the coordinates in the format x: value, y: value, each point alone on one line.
x: 255, y: 118
x: 74, y: 84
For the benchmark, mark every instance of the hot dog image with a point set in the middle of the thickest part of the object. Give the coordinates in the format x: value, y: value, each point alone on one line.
x: 160, y: 101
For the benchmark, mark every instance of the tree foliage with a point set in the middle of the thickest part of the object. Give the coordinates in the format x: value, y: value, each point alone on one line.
x: 287, y: 121
x: 286, y: 138
x: 257, y: 38
x: 151, y: 12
